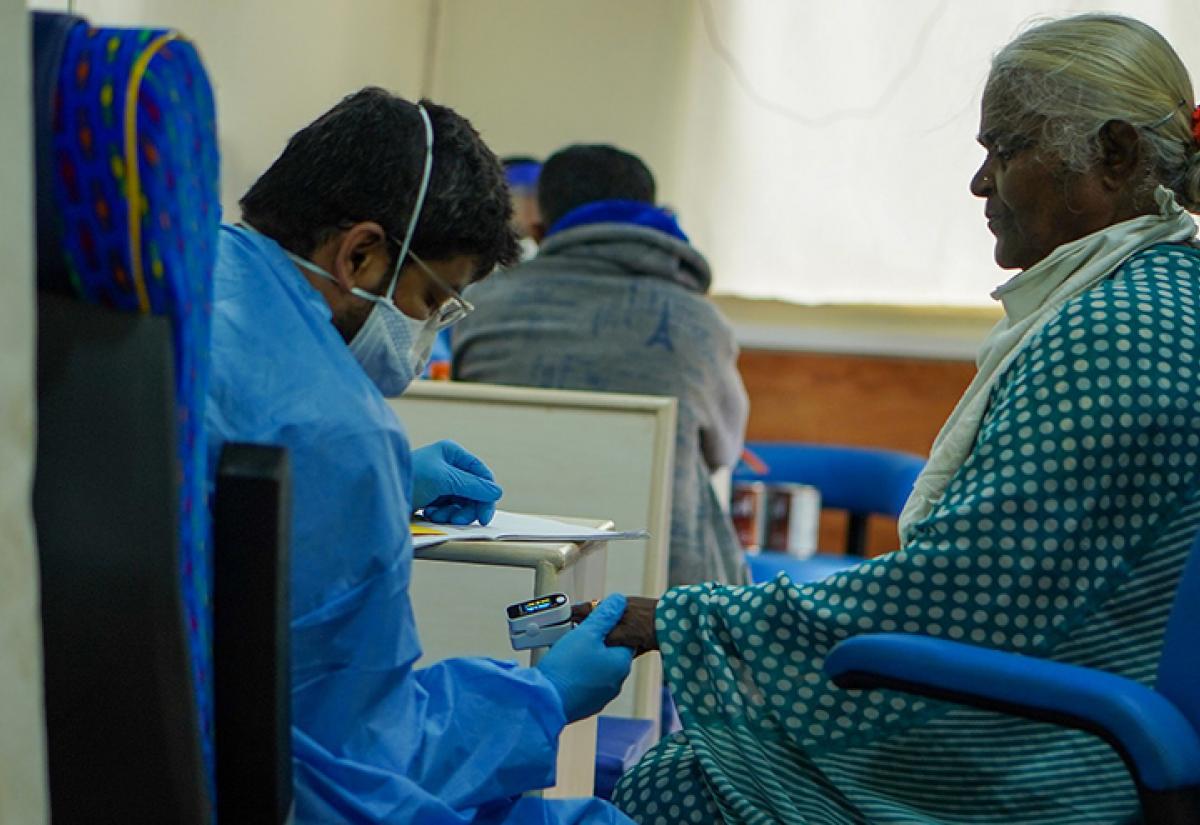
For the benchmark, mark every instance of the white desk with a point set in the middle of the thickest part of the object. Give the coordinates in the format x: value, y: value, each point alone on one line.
x: 486, y: 577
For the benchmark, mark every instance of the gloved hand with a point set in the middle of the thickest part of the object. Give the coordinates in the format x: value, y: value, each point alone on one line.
x: 453, y: 486
x: 586, y: 672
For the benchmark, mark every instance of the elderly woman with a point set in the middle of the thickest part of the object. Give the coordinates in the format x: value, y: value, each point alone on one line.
x: 1055, y: 513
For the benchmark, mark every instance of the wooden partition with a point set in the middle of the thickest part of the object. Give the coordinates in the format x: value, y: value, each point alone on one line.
x: 872, y: 401
x: 581, y: 454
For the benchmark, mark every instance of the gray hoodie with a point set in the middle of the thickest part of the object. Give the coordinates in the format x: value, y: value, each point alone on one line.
x: 621, y: 308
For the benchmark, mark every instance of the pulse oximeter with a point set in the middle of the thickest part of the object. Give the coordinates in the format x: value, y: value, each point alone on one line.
x: 539, y: 622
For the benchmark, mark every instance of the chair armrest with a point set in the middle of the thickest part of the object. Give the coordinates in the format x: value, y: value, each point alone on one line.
x: 1156, y: 741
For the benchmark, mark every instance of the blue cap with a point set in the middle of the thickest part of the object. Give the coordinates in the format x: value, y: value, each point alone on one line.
x: 523, y: 175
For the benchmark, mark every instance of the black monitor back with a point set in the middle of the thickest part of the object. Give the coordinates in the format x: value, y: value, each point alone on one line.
x: 251, y: 679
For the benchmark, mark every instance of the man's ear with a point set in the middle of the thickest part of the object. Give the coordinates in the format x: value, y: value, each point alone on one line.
x: 360, y: 254
x: 537, y: 231
x: 1120, y: 152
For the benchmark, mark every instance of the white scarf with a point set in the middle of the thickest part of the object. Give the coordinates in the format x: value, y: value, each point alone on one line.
x: 1030, y: 300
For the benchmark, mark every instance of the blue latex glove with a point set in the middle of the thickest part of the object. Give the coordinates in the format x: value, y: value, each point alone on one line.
x: 586, y: 672
x: 453, y: 486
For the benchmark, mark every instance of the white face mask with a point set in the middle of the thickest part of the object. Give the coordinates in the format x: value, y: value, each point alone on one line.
x: 529, y: 248
x: 392, y: 348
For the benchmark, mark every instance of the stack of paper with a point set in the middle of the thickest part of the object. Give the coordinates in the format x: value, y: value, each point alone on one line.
x: 514, y: 527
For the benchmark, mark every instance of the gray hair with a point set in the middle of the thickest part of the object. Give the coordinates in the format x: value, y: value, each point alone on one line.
x: 1067, y: 78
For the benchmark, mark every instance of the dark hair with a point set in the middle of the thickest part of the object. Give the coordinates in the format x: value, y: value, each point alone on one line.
x: 581, y: 174
x: 362, y: 161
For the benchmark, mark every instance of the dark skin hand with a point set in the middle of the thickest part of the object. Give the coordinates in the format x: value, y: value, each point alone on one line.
x: 636, y: 628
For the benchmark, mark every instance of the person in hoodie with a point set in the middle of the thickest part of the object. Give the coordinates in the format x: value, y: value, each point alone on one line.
x: 615, y: 301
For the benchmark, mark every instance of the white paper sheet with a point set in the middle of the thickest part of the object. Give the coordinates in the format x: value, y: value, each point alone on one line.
x: 507, y: 526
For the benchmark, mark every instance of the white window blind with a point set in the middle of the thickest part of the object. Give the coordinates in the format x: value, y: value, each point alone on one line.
x: 826, y: 148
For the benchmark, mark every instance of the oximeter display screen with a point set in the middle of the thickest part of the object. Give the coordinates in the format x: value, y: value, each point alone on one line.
x: 539, y: 605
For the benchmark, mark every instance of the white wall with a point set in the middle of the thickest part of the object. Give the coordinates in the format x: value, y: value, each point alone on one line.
x: 532, y: 75
x: 816, y: 152
x: 535, y: 75
x: 277, y: 64
x: 22, y: 737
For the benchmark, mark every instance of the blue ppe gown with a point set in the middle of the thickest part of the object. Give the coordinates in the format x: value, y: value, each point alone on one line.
x: 373, y: 739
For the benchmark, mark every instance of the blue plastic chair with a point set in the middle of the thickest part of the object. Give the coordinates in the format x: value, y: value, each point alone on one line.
x: 1156, y: 732
x: 863, y: 481
x: 620, y: 743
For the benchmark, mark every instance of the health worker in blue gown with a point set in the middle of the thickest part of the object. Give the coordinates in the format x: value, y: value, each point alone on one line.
x: 352, y: 251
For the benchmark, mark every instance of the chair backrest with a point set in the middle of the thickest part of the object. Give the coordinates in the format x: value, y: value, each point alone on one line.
x: 862, y: 480
x: 121, y: 723
x: 1179, y: 667
x: 127, y: 150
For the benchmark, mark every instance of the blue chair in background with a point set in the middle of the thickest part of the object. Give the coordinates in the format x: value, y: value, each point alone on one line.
x: 860, y: 480
x: 1156, y: 732
x: 620, y: 743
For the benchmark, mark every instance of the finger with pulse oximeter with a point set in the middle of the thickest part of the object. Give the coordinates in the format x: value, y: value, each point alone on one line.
x: 585, y: 672
x: 636, y: 628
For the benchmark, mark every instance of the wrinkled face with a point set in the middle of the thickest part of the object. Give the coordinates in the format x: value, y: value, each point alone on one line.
x: 1034, y: 204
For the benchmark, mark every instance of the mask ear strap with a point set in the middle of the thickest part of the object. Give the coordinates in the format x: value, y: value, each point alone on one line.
x: 426, y: 172
x: 305, y: 263
x: 316, y: 270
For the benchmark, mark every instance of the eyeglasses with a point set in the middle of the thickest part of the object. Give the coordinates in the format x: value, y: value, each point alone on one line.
x: 452, y: 310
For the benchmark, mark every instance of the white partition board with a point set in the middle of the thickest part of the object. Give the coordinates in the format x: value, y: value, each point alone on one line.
x: 581, y: 454
x: 474, y: 626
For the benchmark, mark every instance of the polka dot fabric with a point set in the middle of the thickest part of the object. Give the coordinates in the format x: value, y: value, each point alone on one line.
x: 177, y: 209
x: 1062, y: 536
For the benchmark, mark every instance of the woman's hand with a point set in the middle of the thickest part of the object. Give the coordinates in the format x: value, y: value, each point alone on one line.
x: 636, y: 628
